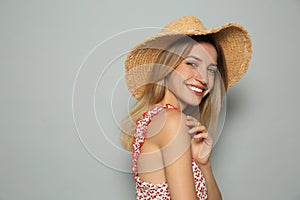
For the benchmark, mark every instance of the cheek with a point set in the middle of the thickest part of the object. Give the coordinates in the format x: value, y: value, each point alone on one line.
x: 184, y: 72
x: 178, y: 76
x: 172, y: 80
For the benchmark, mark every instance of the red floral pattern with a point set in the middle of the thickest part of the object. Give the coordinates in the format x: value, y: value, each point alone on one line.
x: 145, y: 190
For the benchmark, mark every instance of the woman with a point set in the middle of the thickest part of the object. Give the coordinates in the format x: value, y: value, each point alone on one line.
x: 179, y: 78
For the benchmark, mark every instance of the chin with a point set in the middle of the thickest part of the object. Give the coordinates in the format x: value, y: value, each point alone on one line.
x: 193, y: 103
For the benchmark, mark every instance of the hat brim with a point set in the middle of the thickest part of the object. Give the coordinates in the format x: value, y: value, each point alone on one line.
x: 232, y: 38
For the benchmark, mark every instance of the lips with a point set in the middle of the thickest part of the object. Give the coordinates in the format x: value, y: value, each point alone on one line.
x: 196, y: 89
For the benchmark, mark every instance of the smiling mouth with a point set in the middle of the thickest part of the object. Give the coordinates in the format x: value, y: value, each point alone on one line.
x: 198, y: 91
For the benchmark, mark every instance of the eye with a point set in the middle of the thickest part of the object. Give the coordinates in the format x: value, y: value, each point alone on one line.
x: 212, y: 70
x: 192, y: 64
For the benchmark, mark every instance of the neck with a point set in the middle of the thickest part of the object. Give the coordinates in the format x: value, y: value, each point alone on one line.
x: 170, y: 98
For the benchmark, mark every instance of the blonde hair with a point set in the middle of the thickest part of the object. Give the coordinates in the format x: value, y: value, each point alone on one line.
x: 154, y: 92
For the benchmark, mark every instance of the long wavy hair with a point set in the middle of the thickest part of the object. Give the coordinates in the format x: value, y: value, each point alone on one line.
x: 208, y: 110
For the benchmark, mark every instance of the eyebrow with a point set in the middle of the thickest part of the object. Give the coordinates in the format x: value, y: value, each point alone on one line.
x: 196, y: 58
x: 200, y: 60
x: 213, y: 65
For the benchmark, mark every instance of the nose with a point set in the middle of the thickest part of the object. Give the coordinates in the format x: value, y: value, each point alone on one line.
x: 201, y: 76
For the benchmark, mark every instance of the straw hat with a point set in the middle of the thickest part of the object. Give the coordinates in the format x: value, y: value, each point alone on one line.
x: 232, y: 38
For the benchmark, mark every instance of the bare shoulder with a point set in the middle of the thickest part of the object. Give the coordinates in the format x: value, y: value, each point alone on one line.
x: 167, y: 126
x: 174, y: 120
x: 174, y: 142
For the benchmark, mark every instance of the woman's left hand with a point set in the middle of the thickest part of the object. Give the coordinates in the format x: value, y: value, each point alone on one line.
x: 201, y: 144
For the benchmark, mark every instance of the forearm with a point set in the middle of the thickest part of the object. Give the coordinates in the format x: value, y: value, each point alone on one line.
x: 213, y: 191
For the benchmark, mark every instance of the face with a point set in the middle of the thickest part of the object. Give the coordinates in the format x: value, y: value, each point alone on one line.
x: 194, y: 76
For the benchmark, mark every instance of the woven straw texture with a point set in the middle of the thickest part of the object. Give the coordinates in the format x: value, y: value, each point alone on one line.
x: 232, y: 38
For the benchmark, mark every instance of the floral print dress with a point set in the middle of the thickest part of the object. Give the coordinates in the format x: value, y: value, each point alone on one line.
x: 145, y: 190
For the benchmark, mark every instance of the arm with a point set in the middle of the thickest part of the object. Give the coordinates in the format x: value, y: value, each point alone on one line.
x: 174, y: 143
x: 213, y: 191
x: 201, y: 151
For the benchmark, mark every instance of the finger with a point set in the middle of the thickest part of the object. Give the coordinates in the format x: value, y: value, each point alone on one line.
x: 197, y: 129
x: 203, y: 135
x: 193, y: 123
x: 190, y: 118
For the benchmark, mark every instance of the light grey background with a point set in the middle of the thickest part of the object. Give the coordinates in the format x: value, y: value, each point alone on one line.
x: 43, y: 43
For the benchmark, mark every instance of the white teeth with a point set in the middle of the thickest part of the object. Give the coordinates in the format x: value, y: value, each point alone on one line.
x: 196, y: 89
